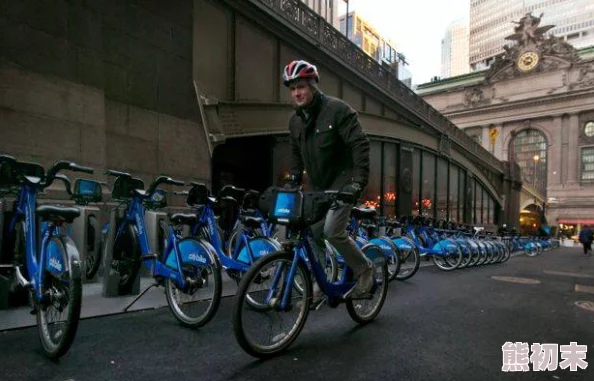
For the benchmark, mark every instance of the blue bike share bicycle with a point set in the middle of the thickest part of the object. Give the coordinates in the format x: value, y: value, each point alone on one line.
x: 53, y: 267
x: 187, y: 269
x: 281, y: 282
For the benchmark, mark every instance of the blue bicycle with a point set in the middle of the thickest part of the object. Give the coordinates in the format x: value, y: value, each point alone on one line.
x: 289, y: 285
x: 186, y: 268
x: 53, y: 269
x: 247, y: 247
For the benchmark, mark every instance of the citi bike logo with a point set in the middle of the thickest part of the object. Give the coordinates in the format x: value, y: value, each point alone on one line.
x: 386, y: 247
x: 55, y: 264
x: 283, y: 210
x: 197, y: 257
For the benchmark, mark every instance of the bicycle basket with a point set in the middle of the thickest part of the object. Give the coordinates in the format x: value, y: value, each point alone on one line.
x: 87, y: 190
x: 285, y: 207
x: 157, y: 200
x: 123, y: 187
x: 315, y: 207
x: 229, y: 211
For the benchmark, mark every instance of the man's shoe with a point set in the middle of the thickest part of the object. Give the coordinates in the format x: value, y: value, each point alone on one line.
x: 362, y: 289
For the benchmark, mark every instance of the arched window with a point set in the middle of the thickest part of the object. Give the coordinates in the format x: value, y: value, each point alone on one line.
x: 529, y: 150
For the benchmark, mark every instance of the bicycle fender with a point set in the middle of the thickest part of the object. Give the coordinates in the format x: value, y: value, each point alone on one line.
x: 191, y: 251
x: 260, y: 246
x: 73, y: 256
x: 388, y: 247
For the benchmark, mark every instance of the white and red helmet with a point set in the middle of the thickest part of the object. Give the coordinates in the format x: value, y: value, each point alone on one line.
x: 299, y: 70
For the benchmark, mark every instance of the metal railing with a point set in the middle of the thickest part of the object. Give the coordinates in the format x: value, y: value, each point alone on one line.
x: 324, y: 34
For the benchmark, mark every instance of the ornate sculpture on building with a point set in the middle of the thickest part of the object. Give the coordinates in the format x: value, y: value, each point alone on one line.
x: 531, y: 51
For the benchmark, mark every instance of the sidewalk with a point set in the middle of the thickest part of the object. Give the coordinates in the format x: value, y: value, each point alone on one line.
x: 94, y: 304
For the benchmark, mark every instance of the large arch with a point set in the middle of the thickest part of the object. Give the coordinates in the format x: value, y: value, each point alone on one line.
x: 529, y: 148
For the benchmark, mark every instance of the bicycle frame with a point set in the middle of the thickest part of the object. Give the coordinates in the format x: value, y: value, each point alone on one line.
x: 135, y: 216
x: 333, y: 290
x: 26, y: 207
x: 207, y: 220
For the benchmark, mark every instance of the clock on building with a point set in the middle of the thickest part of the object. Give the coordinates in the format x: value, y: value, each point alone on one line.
x: 528, y: 61
x: 589, y: 129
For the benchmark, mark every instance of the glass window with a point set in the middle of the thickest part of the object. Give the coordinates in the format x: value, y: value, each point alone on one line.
x: 389, y: 193
x: 442, y: 189
x: 416, y: 176
x: 371, y: 195
x: 485, y: 207
x: 491, y: 219
x: 453, y: 196
x: 529, y: 150
x: 428, y: 185
x: 587, y: 164
x: 461, y: 195
x: 472, y: 203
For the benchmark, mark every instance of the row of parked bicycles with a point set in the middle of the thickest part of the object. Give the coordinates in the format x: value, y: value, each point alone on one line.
x: 254, y: 238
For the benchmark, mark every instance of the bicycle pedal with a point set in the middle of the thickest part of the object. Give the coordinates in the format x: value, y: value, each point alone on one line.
x: 150, y: 257
x: 318, y: 304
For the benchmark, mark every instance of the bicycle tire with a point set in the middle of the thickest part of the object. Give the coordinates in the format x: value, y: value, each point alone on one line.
x: 56, y: 350
x: 93, y: 240
x: 240, y: 296
x: 352, y: 309
x: 212, y: 309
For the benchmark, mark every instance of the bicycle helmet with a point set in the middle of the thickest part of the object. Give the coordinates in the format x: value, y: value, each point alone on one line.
x: 299, y: 70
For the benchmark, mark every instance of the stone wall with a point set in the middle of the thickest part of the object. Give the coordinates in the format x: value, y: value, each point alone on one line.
x: 104, y: 83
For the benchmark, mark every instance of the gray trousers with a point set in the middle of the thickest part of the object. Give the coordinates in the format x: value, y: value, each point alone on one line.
x: 333, y: 228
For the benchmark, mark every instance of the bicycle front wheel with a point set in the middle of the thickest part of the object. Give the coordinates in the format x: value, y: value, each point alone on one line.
x: 267, y: 282
x: 58, y: 312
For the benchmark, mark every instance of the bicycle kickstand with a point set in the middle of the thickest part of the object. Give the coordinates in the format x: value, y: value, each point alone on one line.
x: 140, y: 296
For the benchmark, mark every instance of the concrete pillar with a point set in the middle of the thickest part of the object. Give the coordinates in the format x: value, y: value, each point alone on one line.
x: 555, y: 157
x: 511, y: 190
x: 573, y: 151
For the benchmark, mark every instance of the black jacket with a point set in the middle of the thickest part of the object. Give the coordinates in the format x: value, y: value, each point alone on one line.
x: 327, y: 141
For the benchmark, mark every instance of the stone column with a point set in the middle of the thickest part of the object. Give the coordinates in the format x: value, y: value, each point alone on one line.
x: 485, y: 138
x: 554, y: 155
x: 573, y: 151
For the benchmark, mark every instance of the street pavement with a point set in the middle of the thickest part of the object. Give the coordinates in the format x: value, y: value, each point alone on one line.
x: 436, y: 326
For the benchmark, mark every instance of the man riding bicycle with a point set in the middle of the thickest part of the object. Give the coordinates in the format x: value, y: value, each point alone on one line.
x: 328, y: 141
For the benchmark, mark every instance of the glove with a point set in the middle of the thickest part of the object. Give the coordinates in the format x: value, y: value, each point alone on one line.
x: 354, y: 188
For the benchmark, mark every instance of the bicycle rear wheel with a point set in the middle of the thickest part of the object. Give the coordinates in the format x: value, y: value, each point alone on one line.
x: 364, y: 311
x: 197, y: 304
x: 61, y: 294
x: 270, y: 268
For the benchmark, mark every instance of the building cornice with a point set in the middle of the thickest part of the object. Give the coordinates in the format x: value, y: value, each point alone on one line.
x: 530, y: 103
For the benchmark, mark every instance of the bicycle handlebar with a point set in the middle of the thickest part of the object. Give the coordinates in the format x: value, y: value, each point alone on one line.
x: 162, y: 180
x: 111, y: 172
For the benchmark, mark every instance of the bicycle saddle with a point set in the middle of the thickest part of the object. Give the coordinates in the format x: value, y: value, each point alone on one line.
x: 183, y: 219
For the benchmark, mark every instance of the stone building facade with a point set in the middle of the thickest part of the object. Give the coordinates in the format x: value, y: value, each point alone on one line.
x: 534, y: 106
